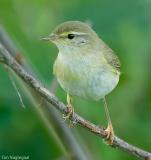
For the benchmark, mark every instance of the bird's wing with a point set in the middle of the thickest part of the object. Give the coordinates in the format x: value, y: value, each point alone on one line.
x: 111, y: 58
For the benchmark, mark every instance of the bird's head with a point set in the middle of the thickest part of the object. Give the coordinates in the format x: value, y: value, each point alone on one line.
x: 73, y: 34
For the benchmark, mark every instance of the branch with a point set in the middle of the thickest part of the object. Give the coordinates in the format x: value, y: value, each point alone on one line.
x: 75, y: 149
x: 48, y: 96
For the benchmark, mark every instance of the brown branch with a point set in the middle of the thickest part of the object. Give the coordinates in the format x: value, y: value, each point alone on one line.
x: 75, y: 149
x: 48, y: 96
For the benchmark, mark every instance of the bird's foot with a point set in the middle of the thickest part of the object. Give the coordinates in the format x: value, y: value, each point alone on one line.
x: 110, y: 134
x: 70, y: 112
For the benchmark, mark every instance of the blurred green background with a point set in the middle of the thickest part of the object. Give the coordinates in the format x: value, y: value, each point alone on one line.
x: 126, y: 27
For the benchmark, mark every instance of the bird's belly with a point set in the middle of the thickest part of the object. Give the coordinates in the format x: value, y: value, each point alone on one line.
x: 73, y: 80
x: 92, y: 83
x: 101, y: 83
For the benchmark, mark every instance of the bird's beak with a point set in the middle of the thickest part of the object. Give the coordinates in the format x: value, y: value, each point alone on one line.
x: 51, y: 37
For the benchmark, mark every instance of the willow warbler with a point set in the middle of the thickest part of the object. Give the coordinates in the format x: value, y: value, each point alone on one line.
x: 85, y: 65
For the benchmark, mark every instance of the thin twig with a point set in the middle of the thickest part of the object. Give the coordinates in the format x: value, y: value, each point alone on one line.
x: 48, y: 96
x: 16, y: 89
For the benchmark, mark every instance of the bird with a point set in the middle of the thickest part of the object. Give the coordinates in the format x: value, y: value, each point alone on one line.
x: 85, y: 66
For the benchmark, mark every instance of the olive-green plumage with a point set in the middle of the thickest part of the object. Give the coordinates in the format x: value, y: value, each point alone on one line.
x: 76, y: 26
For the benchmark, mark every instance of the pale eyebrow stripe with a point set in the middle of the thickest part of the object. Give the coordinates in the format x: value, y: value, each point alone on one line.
x: 75, y: 33
x: 78, y: 33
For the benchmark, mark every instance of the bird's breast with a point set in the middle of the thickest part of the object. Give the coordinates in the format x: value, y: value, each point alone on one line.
x: 66, y: 71
x: 84, y: 80
x: 72, y: 75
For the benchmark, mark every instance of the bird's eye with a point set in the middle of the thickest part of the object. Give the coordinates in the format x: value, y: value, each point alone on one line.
x: 71, y: 36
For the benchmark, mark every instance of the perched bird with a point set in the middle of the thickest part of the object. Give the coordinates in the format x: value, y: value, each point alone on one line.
x: 85, y: 66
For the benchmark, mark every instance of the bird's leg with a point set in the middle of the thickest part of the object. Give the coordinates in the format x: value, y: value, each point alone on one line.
x: 109, y: 129
x: 70, y: 109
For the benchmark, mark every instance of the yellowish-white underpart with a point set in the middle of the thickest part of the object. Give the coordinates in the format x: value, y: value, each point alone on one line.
x: 85, y: 76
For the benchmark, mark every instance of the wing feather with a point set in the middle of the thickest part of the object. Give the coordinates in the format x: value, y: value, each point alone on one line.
x: 111, y: 58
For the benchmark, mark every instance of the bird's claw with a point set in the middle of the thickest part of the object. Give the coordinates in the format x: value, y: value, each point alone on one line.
x: 110, y: 134
x: 69, y: 114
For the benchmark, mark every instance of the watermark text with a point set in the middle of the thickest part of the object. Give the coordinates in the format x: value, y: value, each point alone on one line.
x: 14, y: 157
